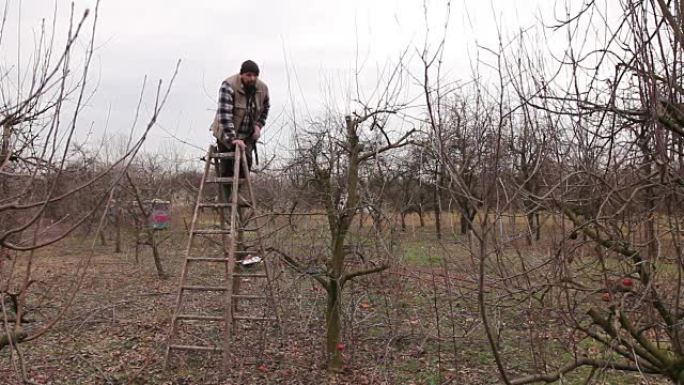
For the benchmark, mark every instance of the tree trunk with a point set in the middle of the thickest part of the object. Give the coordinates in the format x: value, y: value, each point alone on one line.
x: 117, y: 229
x: 333, y: 314
x: 534, y: 227
x: 467, y: 218
x: 333, y: 317
x: 339, y: 226
x: 103, y: 240
x: 5, y: 145
x: 155, y: 254
x: 14, y: 336
x: 438, y: 208
x: 530, y: 228
x: 137, y: 246
x: 465, y: 225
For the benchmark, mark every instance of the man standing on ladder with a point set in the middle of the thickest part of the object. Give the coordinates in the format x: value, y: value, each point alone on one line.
x: 243, y: 106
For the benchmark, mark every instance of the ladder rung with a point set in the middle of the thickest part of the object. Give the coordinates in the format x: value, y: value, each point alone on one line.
x: 249, y: 296
x: 204, y: 288
x: 241, y: 275
x: 215, y: 205
x: 198, y: 317
x: 206, y: 259
x: 225, y: 180
x: 249, y: 229
x: 223, y: 155
x: 253, y: 318
x: 223, y: 205
x: 212, y: 231
x: 213, y: 259
x: 196, y: 347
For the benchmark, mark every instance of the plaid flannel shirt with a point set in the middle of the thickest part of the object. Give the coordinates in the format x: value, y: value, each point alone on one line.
x: 225, y: 114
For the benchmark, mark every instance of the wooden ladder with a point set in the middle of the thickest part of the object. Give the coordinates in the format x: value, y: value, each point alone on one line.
x: 231, y: 231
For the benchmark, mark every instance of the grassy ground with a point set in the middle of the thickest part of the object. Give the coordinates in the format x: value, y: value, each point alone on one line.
x: 417, y: 323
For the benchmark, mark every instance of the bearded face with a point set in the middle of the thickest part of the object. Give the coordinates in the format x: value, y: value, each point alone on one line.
x: 249, y: 81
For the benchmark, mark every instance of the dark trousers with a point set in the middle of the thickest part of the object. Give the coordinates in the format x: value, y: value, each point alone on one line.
x: 226, y: 166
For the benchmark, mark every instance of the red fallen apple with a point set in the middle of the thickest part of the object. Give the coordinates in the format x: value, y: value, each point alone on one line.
x: 606, y: 297
x: 627, y: 282
x: 340, y: 346
x: 263, y: 368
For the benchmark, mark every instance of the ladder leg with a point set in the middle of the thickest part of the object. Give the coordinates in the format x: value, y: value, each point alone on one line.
x: 184, y: 272
x: 230, y: 266
x: 262, y: 252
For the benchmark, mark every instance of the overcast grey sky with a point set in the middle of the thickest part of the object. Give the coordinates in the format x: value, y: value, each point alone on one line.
x: 317, y: 41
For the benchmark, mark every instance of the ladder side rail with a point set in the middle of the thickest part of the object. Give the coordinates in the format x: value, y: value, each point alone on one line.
x: 262, y: 251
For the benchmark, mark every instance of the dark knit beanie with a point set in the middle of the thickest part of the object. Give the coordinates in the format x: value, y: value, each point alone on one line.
x: 249, y: 66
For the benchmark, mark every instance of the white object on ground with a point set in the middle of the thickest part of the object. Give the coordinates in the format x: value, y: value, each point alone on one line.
x: 251, y: 260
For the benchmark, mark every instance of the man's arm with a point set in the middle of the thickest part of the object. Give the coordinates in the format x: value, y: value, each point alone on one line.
x: 225, y: 112
x: 261, y: 122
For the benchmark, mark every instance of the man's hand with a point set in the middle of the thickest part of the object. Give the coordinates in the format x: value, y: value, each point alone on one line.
x: 226, y: 139
x: 257, y: 133
x: 240, y: 143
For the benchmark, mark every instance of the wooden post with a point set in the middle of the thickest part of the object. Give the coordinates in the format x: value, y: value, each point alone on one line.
x: 117, y: 228
x: 5, y: 145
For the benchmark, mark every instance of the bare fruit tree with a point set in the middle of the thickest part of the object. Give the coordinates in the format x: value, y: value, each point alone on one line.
x: 606, y: 156
x: 50, y: 186
x: 333, y: 153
